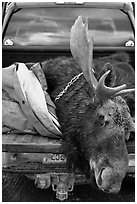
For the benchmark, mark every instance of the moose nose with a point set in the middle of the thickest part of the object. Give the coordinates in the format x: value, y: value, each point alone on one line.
x: 108, y: 181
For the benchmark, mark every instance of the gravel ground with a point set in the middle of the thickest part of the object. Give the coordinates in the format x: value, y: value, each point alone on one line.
x: 85, y: 193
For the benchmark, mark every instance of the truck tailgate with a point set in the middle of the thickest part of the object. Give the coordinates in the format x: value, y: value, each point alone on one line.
x: 29, y: 143
x: 39, y: 154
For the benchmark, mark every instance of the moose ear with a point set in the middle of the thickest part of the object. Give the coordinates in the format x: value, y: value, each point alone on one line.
x: 82, y: 49
x: 125, y: 74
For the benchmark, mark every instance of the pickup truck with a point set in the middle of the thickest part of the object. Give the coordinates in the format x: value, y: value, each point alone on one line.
x: 33, y: 32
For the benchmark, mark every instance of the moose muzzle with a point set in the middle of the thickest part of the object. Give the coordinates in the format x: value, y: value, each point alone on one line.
x: 108, y: 180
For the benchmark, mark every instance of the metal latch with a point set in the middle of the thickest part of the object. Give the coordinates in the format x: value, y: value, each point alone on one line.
x: 43, y: 181
x: 63, y: 184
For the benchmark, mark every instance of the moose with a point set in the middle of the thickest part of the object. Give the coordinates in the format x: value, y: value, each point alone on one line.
x: 94, y: 116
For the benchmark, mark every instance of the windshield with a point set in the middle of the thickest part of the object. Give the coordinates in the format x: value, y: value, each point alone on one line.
x: 51, y: 26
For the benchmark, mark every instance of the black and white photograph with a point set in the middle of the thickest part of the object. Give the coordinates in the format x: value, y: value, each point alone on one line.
x: 68, y: 101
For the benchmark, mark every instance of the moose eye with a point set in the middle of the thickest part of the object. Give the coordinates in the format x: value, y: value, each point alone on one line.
x: 101, y: 117
x: 102, y: 120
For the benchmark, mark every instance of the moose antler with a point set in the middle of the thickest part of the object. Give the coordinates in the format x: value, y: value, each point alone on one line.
x: 82, y: 50
x: 103, y: 91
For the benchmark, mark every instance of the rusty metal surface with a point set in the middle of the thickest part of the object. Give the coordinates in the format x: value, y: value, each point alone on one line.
x: 29, y: 143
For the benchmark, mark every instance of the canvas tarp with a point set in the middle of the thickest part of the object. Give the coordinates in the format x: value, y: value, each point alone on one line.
x: 26, y: 105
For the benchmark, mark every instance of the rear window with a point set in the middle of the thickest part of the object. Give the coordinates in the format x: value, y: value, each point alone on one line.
x: 51, y: 26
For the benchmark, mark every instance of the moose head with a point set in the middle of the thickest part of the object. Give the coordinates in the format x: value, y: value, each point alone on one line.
x: 108, y: 125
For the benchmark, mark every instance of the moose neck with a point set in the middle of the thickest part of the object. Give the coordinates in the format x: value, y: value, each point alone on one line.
x: 76, y: 86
